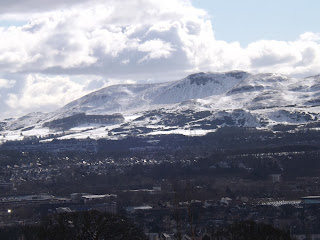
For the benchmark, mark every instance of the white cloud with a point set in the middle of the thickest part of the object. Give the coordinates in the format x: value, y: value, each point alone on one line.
x: 310, y: 36
x: 293, y: 58
x: 47, y: 93
x: 5, y: 83
x: 155, y: 49
x: 142, y: 40
x: 17, y: 6
x: 144, y: 37
x: 42, y: 91
x: 91, y: 36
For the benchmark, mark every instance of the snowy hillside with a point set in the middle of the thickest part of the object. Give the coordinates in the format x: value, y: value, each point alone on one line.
x: 195, y: 105
x: 133, y: 97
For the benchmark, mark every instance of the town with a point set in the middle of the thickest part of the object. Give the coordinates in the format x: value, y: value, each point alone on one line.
x: 168, y: 192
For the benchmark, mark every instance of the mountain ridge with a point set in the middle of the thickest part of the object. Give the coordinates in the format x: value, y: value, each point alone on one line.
x: 201, y: 101
x: 151, y: 94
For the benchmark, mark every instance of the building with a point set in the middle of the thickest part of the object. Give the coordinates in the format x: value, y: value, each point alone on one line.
x: 310, y: 200
x: 275, y: 178
x: 305, y: 237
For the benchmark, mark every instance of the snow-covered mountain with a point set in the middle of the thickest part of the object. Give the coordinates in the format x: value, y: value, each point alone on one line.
x: 137, y: 97
x: 196, y: 105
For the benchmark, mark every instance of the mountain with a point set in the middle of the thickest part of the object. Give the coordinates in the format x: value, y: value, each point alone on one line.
x: 137, y: 97
x: 195, y: 105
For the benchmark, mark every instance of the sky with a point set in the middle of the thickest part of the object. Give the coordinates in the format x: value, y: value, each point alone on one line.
x: 53, y: 52
x: 247, y: 21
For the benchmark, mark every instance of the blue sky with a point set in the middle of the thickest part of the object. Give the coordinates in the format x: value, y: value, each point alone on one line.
x: 251, y: 20
x: 9, y: 23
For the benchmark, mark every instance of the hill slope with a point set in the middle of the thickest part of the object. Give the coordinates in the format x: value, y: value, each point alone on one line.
x: 195, y: 105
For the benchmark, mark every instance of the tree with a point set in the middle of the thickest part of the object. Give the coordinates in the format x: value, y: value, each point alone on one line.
x: 91, y: 225
x: 249, y: 230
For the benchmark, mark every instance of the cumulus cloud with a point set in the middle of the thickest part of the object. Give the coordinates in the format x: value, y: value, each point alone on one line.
x: 100, y: 37
x: 146, y: 36
x: 155, y: 49
x: 294, y: 58
x: 310, y: 36
x: 142, y: 40
x: 44, y: 92
x: 5, y: 83
x: 18, y: 6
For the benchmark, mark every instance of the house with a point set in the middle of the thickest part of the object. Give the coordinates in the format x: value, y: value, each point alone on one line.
x: 304, y: 237
x: 165, y: 236
x: 310, y: 200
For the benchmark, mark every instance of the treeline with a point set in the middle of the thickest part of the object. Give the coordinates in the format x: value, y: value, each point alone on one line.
x: 64, y: 124
x: 91, y: 225
x: 249, y: 230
